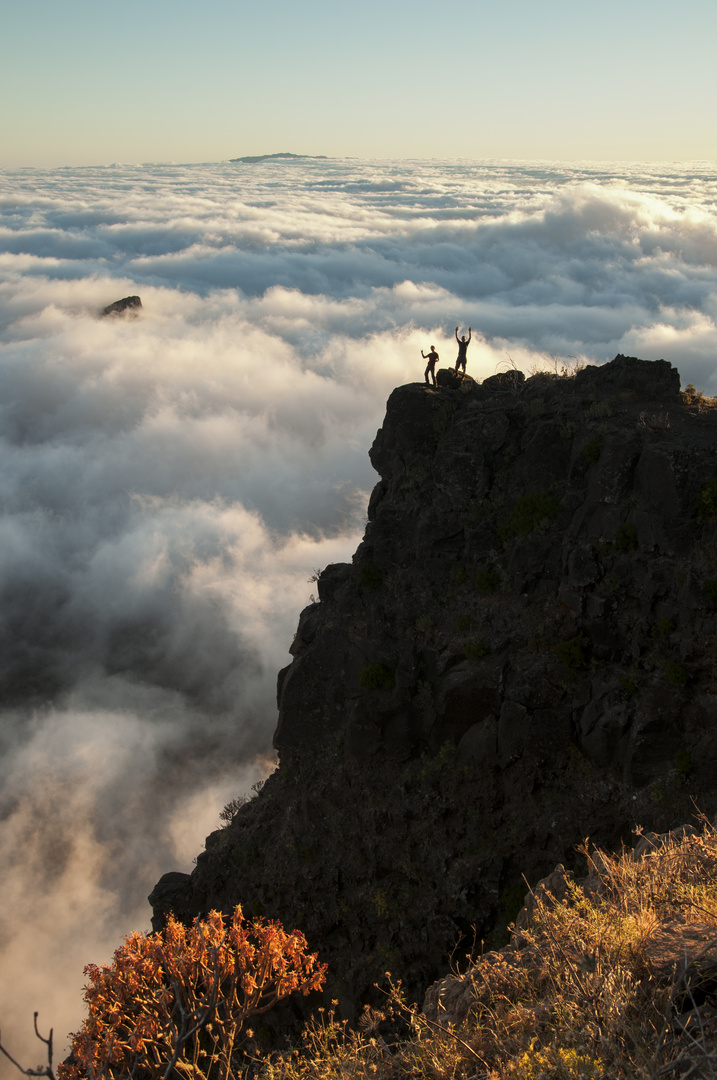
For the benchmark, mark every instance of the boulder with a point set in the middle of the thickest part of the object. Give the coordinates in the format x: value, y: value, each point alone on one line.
x: 127, y: 305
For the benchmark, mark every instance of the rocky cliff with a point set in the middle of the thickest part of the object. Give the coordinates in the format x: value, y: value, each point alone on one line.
x: 521, y: 654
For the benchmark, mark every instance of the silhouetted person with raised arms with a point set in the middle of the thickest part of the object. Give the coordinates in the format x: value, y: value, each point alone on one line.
x: 462, y: 350
x: 432, y: 359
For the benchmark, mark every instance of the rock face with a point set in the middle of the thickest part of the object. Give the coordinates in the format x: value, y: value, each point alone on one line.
x: 521, y: 654
x: 130, y: 304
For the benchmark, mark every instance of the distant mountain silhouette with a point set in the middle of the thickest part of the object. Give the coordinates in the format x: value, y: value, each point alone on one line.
x: 279, y: 157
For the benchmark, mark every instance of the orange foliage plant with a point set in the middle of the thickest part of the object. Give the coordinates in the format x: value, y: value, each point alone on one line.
x: 172, y: 1004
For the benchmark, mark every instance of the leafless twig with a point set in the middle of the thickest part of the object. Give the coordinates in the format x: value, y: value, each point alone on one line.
x: 41, y: 1070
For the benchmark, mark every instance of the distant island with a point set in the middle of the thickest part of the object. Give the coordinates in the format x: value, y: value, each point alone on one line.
x: 278, y: 157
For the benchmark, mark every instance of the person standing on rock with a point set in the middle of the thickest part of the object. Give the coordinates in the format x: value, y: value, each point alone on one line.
x: 432, y: 359
x: 462, y: 350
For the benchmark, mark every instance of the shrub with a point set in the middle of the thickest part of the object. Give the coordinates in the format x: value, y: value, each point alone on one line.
x: 573, y: 654
x: 599, y: 410
x: 370, y: 577
x: 556, y: 1063
x: 529, y: 512
x: 662, y: 629
x: 590, y: 453
x: 234, y: 805
x: 683, y: 763
x: 232, y: 808
x: 442, y: 419
x: 676, y: 674
x: 475, y: 650
x: 692, y: 396
x: 628, y: 685
x: 376, y: 677
x: 707, y: 501
x: 487, y: 581
x: 174, y: 1003
x: 513, y: 898
x: 626, y: 537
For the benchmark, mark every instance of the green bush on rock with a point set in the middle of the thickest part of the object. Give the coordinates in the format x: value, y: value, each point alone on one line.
x: 376, y: 677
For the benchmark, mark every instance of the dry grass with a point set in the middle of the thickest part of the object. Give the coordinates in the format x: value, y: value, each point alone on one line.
x: 696, y: 399
x: 612, y: 976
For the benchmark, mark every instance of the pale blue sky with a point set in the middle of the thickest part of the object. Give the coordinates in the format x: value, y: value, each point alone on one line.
x: 93, y: 81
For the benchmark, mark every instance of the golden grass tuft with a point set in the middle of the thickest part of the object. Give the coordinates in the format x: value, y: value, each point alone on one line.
x: 612, y: 976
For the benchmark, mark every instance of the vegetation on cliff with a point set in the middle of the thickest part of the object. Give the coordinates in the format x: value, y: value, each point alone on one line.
x: 175, y: 1003
x: 611, y: 976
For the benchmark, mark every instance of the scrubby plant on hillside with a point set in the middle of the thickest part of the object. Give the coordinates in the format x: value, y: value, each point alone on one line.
x: 696, y: 398
x: 376, y: 677
x: 530, y: 512
x: 476, y: 650
x: 607, y: 978
x: 487, y: 581
x: 174, y: 1003
x: 370, y: 577
x: 573, y: 654
x: 707, y: 501
x: 626, y: 537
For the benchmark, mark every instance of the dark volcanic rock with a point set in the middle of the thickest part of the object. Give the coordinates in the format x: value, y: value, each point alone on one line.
x: 170, y: 895
x: 521, y: 654
x: 130, y: 304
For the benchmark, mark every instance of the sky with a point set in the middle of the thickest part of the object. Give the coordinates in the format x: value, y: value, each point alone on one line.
x: 87, y: 82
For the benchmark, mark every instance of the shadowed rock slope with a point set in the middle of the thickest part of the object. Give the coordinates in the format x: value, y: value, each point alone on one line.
x: 521, y: 653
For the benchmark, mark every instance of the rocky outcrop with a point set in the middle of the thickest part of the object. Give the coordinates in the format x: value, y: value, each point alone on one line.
x: 127, y: 305
x: 521, y: 653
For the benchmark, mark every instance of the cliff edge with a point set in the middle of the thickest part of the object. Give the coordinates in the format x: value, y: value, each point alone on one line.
x: 521, y: 654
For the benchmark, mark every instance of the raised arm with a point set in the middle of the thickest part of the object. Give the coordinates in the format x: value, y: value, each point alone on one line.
x: 469, y: 334
x: 456, y: 333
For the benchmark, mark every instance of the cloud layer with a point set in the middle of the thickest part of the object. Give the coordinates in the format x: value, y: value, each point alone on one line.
x: 171, y: 481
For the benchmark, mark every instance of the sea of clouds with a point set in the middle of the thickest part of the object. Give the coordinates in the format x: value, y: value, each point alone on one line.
x: 171, y: 482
